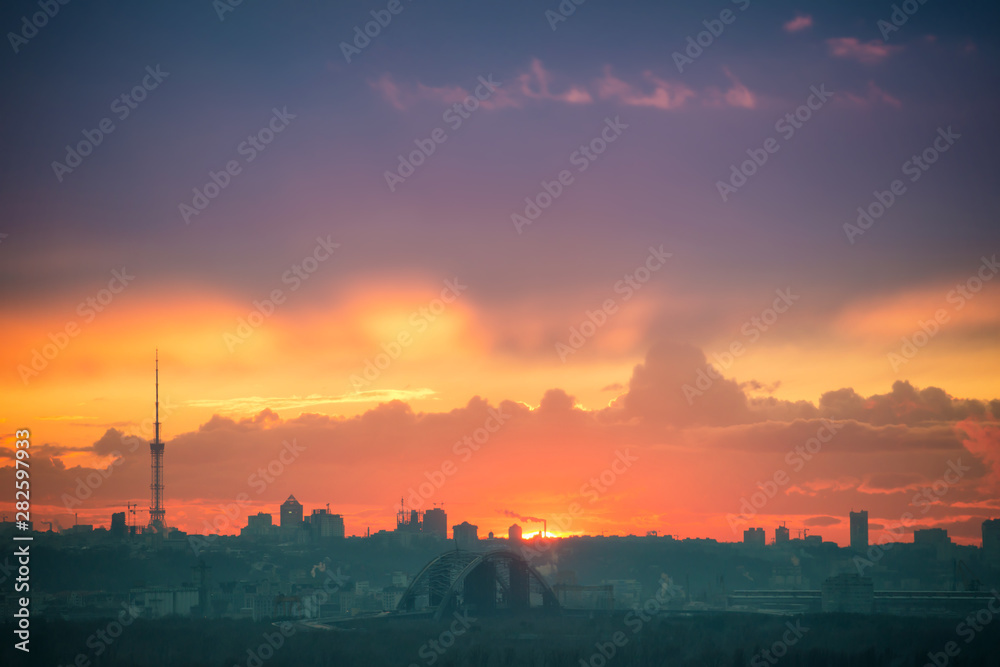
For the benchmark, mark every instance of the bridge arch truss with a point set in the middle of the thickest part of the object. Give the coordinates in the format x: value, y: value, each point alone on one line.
x: 481, y: 582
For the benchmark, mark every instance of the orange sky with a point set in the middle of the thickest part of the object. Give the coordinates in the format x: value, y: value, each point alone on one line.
x: 697, y: 461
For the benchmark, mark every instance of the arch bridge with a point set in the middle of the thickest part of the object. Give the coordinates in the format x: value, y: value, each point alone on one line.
x: 483, y: 582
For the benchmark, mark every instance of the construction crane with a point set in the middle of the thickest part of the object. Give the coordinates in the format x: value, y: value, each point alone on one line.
x: 130, y: 518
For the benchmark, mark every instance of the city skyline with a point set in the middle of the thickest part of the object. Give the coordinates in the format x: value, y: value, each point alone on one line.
x: 226, y: 519
x: 517, y: 332
x: 740, y: 242
x: 816, y: 424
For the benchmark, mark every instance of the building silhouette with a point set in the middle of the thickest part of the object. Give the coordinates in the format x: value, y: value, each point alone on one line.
x: 118, y: 526
x: 931, y: 536
x: 781, y: 535
x: 514, y: 533
x: 259, y: 526
x: 407, y: 521
x: 436, y: 523
x: 991, y: 542
x: 291, y: 513
x: 859, y: 530
x: 465, y: 534
x: 754, y: 537
x: 933, y: 541
x: 322, y: 524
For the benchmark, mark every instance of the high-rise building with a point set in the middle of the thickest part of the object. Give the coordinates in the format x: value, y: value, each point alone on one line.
x: 754, y: 537
x: 465, y: 533
x: 931, y: 536
x: 322, y: 524
x: 781, y: 535
x: 514, y: 533
x: 436, y: 523
x: 118, y: 527
x: 408, y: 521
x: 991, y: 542
x: 259, y: 526
x: 859, y: 530
x: 291, y: 513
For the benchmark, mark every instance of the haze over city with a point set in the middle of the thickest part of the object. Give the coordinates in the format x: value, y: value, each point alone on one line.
x: 599, y: 269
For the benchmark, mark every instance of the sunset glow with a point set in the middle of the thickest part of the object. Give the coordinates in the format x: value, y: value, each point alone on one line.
x: 626, y: 305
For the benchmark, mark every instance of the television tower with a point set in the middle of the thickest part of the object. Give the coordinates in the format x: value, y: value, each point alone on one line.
x: 156, y: 511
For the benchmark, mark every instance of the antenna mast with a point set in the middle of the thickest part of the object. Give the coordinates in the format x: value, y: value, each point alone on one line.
x: 156, y: 511
x: 157, y: 422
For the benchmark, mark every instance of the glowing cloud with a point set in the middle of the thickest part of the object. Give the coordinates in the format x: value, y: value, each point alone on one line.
x: 868, y: 53
x: 800, y: 22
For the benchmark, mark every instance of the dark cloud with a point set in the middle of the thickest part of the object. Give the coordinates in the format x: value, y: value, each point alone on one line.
x: 706, y: 455
x: 903, y: 405
x: 656, y: 390
x: 821, y: 521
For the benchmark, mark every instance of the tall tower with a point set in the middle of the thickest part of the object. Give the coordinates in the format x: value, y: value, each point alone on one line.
x: 156, y: 511
x: 859, y: 530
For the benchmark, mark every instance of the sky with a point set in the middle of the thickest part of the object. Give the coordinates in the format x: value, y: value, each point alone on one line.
x: 628, y: 264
